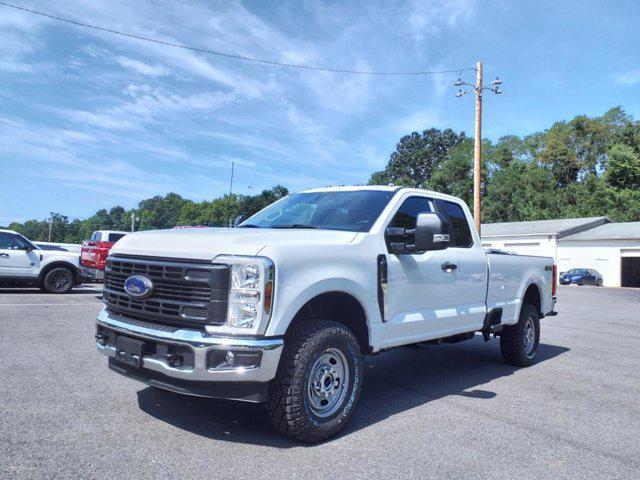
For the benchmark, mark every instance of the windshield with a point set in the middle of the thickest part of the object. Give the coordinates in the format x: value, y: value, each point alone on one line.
x: 577, y: 271
x: 354, y: 211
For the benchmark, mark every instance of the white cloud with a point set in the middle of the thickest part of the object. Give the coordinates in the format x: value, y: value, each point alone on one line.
x: 628, y: 78
x: 147, y: 106
x: 428, y: 18
x: 347, y: 94
x: 143, y: 68
x: 13, y: 65
x: 418, y: 121
x: 159, y: 110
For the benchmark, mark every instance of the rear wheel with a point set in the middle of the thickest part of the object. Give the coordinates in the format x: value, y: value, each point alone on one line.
x: 58, y: 280
x: 599, y: 283
x: 318, y: 382
x: 519, y: 342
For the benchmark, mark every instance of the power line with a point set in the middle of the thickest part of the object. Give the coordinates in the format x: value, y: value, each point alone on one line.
x: 229, y: 55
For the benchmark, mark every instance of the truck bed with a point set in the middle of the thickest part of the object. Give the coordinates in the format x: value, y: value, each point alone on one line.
x: 510, y: 274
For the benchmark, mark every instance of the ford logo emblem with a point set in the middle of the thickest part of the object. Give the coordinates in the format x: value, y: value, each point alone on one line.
x: 138, y: 287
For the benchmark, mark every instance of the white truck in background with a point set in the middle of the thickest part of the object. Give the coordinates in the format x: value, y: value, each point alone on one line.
x: 282, y: 309
x: 23, y: 263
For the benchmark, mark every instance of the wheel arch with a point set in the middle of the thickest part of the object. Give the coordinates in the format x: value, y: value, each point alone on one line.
x: 339, y: 306
x: 57, y: 264
x: 533, y: 296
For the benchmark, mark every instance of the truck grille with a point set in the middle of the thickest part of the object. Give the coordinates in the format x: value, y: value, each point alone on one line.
x: 184, y: 293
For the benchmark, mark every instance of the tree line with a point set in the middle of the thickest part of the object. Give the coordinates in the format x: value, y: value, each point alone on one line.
x: 587, y: 166
x: 154, y: 213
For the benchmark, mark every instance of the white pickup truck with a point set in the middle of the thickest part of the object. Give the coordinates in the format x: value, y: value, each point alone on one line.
x: 282, y: 308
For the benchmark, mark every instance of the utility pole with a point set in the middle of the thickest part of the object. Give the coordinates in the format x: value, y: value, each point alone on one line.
x: 231, y: 180
x: 133, y: 221
x: 50, y: 226
x: 478, y: 89
x: 477, y: 149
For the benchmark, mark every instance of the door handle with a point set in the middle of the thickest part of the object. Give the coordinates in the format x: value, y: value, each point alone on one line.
x: 448, y: 266
x: 5, y: 255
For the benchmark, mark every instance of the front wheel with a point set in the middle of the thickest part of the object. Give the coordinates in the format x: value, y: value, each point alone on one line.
x: 519, y: 342
x: 318, y: 382
x: 58, y: 280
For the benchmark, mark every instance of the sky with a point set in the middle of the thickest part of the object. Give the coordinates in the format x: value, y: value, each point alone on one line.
x: 90, y: 120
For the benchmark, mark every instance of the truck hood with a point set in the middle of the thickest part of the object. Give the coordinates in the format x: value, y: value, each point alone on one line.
x: 207, y: 243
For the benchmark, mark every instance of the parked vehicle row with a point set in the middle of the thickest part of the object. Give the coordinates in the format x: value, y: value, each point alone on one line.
x: 283, y: 308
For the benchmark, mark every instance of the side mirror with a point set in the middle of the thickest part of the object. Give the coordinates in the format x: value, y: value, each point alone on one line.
x: 239, y: 219
x: 432, y: 232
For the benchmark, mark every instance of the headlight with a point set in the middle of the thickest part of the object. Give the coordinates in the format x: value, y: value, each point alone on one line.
x: 250, y: 294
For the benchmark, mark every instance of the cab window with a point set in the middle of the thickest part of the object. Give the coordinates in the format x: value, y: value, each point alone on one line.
x: 114, y: 237
x: 460, y: 232
x: 407, y: 215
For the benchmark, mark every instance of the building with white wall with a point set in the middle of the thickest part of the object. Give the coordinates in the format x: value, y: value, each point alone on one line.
x: 613, y: 249
x: 539, y: 237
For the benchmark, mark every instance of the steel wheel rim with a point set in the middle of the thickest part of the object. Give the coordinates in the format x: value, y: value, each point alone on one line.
x: 529, y: 337
x: 328, y: 383
x: 60, y: 281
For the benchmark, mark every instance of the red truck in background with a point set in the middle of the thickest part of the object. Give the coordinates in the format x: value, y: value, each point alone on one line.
x: 93, y: 255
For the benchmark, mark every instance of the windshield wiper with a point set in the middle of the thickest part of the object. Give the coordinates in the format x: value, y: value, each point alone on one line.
x: 294, y: 225
x: 249, y: 225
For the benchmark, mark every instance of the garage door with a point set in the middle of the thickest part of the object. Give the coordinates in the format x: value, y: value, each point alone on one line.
x: 528, y: 248
x: 630, y: 267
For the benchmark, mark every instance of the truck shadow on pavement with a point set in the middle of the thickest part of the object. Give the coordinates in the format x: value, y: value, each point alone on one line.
x: 395, y: 381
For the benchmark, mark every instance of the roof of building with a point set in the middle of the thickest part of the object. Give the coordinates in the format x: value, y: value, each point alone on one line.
x: 610, y: 231
x: 560, y: 227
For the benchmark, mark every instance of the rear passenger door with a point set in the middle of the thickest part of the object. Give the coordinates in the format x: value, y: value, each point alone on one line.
x: 471, y: 280
x: 422, y: 295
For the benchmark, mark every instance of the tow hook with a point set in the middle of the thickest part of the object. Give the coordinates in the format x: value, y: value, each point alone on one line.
x: 173, y: 360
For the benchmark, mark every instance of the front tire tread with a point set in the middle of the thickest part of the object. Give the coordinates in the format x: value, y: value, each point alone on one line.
x: 285, y: 405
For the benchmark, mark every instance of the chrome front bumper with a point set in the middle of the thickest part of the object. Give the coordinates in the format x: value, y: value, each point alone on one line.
x: 201, y: 344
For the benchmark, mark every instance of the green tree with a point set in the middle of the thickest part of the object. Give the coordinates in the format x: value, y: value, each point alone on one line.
x: 454, y: 174
x: 623, y: 168
x: 563, y: 163
x: 416, y: 157
x: 160, y: 212
x: 254, y: 203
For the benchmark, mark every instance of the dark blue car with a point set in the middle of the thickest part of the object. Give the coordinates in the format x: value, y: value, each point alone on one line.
x: 581, y: 276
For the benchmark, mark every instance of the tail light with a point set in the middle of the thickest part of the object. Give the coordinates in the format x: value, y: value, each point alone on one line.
x: 555, y: 280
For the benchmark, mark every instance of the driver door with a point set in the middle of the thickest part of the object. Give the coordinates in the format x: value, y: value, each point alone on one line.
x: 421, y: 299
x: 15, y: 260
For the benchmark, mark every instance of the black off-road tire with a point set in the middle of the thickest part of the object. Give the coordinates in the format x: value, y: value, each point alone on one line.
x: 289, y: 406
x: 59, y: 280
x: 513, y: 344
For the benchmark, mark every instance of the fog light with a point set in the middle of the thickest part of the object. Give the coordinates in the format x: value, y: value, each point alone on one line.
x: 229, y: 358
x: 236, y: 359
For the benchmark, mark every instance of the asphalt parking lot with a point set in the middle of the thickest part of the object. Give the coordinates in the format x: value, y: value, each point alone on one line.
x: 453, y: 411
